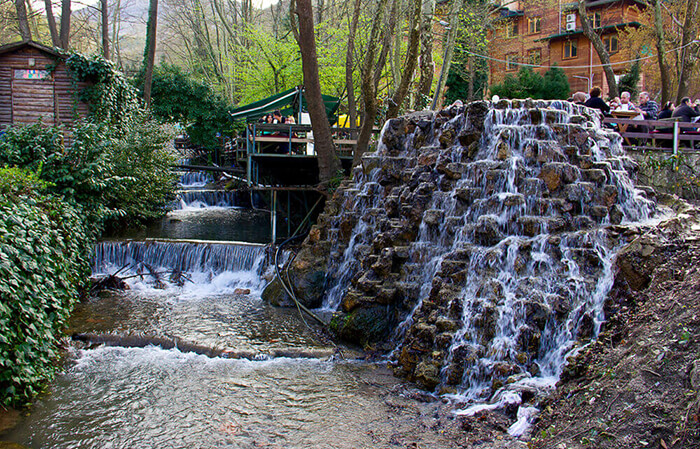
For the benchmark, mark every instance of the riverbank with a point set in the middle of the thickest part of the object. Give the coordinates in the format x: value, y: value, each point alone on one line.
x: 638, y: 385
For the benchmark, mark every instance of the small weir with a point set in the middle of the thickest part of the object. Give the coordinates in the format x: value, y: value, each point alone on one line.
x: 198, y: 199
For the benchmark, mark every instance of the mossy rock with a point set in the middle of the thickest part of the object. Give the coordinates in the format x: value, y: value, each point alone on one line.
x: 363, y: 326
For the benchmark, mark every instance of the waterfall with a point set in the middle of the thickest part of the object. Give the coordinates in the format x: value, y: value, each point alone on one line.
x: 194, y: 180
x: 199, y: 199
x: 222, y: 265
x: 489, y: 227
x: 178, y: 255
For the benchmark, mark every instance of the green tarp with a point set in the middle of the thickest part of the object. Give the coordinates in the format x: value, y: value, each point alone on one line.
x: 287, y: 102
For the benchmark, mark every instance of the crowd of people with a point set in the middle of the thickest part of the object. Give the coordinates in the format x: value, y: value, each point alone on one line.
x: 646, y: 108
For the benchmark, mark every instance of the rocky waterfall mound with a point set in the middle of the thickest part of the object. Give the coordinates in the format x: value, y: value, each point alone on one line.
x: 476, y: 245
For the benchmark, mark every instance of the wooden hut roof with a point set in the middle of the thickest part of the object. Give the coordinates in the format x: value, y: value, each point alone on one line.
x: 41, y: 47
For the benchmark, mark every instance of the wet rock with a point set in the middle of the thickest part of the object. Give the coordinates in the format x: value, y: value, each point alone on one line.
x: 428, y: 375
x: 556, y: 174
x: 434, y: 217
x: 362, y: 325
x: 275, y: 294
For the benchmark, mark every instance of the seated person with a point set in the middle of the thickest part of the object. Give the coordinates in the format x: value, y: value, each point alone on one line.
x: 625, y: 103
x: 596, y: 102
x: 666, y: 111
x: 647, y: 107
x: 579, y: 98
x: 685, y: 111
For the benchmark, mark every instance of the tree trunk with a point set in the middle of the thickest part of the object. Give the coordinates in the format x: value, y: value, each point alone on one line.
x: 104, y: 9
x: 661, y: 53
x: 687, y: 63
x: 328, y: 163
x: 24, y: 30
x: 426, y: 54
x: 449, y: 43
x: 409, y: 67
x: 150, y: 53
x: 599, y: 47
x: 349, y: 65
x: 64, y: 35
x: 369, y: 91
x: 51, y: 19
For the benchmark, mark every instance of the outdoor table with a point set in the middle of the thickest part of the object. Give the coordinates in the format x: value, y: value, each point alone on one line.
x: 622, y: 127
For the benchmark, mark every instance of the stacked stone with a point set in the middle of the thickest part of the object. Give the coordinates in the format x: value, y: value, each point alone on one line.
x: 476, y: 197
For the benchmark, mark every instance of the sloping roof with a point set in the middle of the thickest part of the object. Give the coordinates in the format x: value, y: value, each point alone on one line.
x: 287, y: 102
x: 41, y: 47
x: 578, y: 31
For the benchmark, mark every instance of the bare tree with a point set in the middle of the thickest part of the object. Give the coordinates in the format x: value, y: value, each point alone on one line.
x: 687, y: 59
x: 328, y: 163
x: 104, y: 14
x: 64, y: 35
x: 22, y: 20
x: 350, y: 66
x: 661, y: 52
x: 369, y: 88
x: 410, y: 63
x: 599, y: 47
x: 51, y: 19
x: 426, y: 54
x: 449, y: 45
x: 150, y: 53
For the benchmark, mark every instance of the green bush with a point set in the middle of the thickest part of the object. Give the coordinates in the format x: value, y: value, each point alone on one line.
x: 122, y: 177
x: 44, y: 252
x: 529, y: 84
x: 179, y: 97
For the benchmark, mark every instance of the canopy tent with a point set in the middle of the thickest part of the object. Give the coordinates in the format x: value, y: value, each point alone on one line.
x: 289, y: 102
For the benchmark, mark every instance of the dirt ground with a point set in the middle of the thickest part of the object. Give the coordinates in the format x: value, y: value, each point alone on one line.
x: 638, y: 385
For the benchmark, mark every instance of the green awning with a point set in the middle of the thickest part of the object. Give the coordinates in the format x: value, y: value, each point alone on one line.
x: 287, y: 102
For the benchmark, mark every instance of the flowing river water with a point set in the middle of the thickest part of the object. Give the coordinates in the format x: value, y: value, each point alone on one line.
x: 290, y: 391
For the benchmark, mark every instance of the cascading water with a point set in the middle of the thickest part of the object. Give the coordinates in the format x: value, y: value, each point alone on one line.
x: 491, y: 248
x: 194, y: 180
x: 200, y: 199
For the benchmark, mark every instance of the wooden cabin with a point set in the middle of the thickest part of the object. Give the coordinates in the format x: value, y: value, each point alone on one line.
x: 35, y: 84
x: 541, y: 35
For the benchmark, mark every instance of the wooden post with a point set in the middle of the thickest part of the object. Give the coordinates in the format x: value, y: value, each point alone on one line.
x: 273, y: 216
x: 676, y: 132
x: 248, y: 150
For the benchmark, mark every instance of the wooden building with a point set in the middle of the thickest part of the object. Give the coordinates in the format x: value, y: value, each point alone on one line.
x: 35, y: 84
x: 545, y: 33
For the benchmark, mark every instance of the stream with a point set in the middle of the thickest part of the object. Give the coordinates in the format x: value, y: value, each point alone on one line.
x: 148, y: 397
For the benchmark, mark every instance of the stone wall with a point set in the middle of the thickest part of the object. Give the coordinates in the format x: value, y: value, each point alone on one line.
x: 679, y: 175
x: 471, y: 238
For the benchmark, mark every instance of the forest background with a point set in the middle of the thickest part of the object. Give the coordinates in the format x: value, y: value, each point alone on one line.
x: 381, y: 57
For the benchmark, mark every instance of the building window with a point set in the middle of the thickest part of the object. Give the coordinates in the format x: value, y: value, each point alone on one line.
x: 570, y: 49
x: 512, y: 29
x: 594, y: 19
x: 610, y: 43
x: 512, y: 61
x: 534, y: 57
x: 534, y: 25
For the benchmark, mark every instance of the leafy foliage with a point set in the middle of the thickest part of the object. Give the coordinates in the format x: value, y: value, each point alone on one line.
x: 630, y: 80
x: 556, y: 85
x: 56, y: 197
x: 44, y: 250
x: 553, y: 85
x: 177, y: 96
x: 110, y: 96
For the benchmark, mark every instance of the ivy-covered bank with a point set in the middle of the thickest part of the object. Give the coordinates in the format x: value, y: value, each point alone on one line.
x: 59, y: 189
x: 44, y: 253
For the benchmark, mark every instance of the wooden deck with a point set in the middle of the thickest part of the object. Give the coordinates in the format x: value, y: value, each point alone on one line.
x: 285, y: 154
x: 667, y: 135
